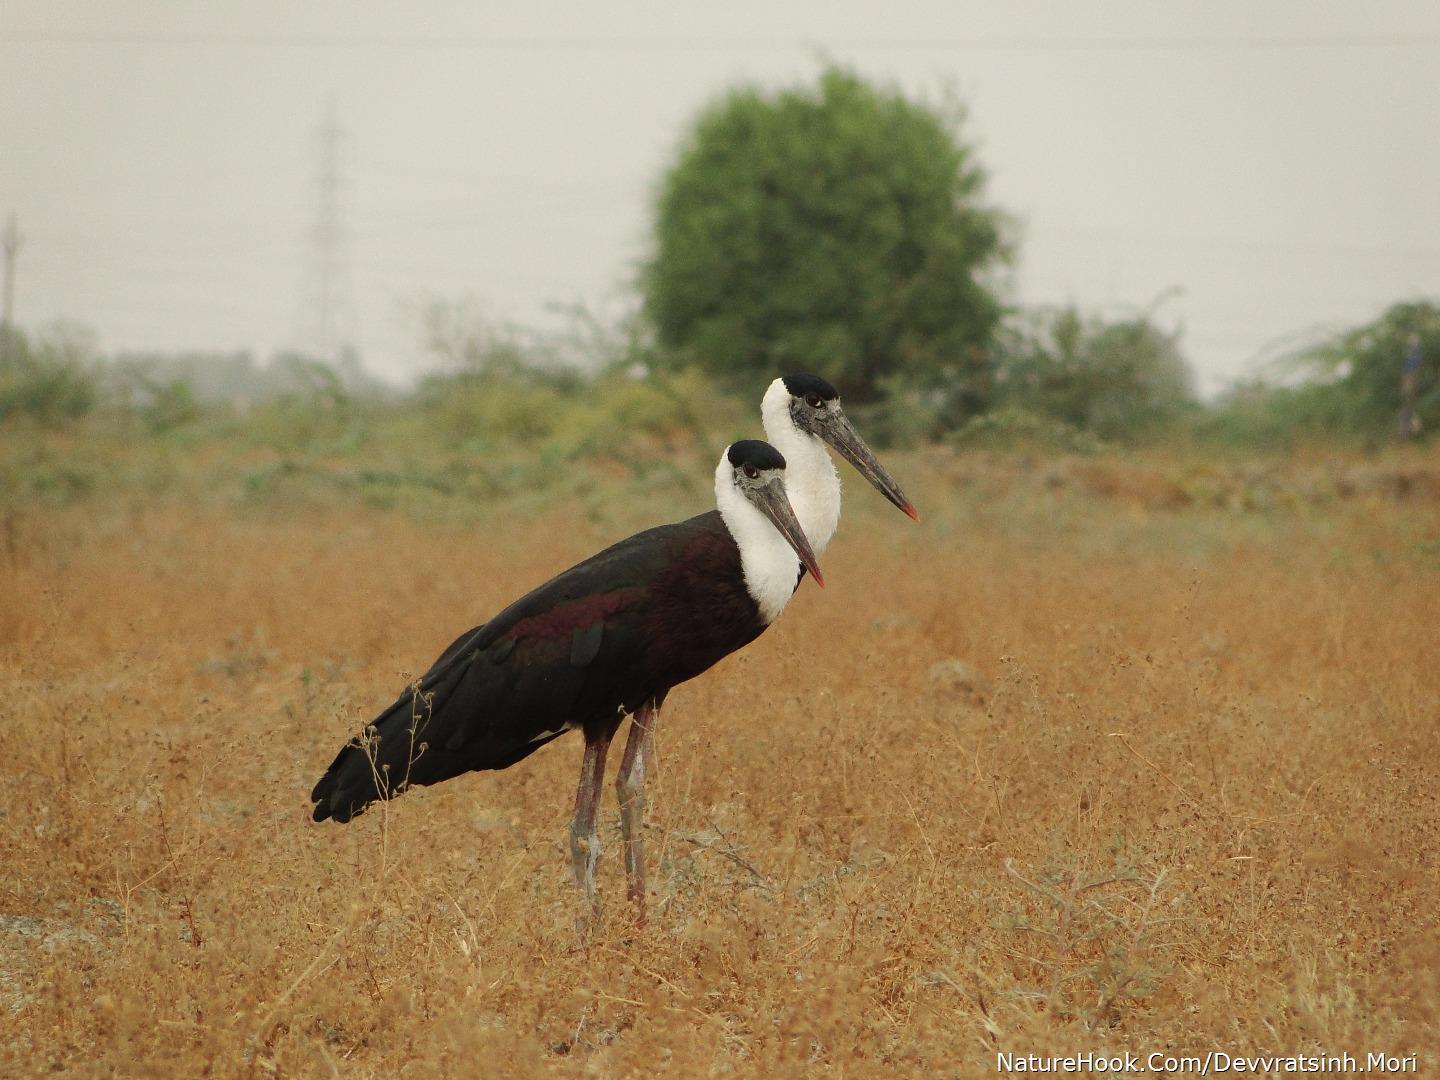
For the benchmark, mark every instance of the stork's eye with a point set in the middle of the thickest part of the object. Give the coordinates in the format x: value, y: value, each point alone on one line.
x: 813, y: 400
x: 751, y: 471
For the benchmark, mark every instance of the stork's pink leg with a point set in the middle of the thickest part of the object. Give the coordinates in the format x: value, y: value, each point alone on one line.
x: 584, y: 839
x: 630, y: 787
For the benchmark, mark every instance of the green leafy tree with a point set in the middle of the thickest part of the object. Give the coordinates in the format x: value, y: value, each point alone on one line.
x: 52, y: 378
x: 1114, y: 380
x: 1355, y: 377
x: 837, y: 228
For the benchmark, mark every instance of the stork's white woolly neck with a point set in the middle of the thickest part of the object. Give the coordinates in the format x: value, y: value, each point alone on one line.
x: 770, y: 564
x: 810, y: 477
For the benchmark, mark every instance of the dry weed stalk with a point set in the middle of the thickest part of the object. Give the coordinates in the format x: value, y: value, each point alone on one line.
x: 1093, y: 945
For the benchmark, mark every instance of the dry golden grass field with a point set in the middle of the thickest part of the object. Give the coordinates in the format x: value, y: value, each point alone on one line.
x: 1106, y: 754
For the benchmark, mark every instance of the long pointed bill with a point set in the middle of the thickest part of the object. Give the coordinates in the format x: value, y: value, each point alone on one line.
x: 841, y: 434
x: 775, y: 505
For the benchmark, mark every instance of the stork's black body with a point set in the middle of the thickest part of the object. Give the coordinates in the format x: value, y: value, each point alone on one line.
x: 584, y: 649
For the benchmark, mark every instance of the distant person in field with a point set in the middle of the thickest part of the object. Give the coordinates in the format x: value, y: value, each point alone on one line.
x: 1410, y: 388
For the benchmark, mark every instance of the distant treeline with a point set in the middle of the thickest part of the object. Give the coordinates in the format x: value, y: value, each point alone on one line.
x: 1055, y: 378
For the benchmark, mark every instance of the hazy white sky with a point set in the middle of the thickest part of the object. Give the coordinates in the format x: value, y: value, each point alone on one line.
x: 1278, y: 162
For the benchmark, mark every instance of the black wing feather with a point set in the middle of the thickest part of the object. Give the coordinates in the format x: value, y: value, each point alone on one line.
x: 505, y: 688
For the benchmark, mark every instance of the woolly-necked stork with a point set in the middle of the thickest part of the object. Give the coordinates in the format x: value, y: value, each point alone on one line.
x: 607, y: 637
x: 801, y: 415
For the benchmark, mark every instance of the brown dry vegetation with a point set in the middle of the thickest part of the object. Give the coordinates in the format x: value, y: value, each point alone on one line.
x: 1177, y: 792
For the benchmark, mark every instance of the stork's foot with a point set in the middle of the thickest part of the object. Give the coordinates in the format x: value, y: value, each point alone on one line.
x: 584, y: 838
x: 584, y: 860
x: 632, y: 816
x: 630, y: 789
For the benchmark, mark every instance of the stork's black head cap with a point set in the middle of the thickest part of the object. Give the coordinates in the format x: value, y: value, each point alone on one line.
x: 757, y: 453
x: 801, y: 385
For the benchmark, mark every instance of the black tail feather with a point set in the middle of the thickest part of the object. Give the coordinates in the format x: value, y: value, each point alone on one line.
x: 437, y: 729
x: 379, y: 763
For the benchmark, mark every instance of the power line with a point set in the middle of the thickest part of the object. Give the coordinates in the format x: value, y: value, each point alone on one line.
x: 635, y: 43
x: 1159, y: 240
